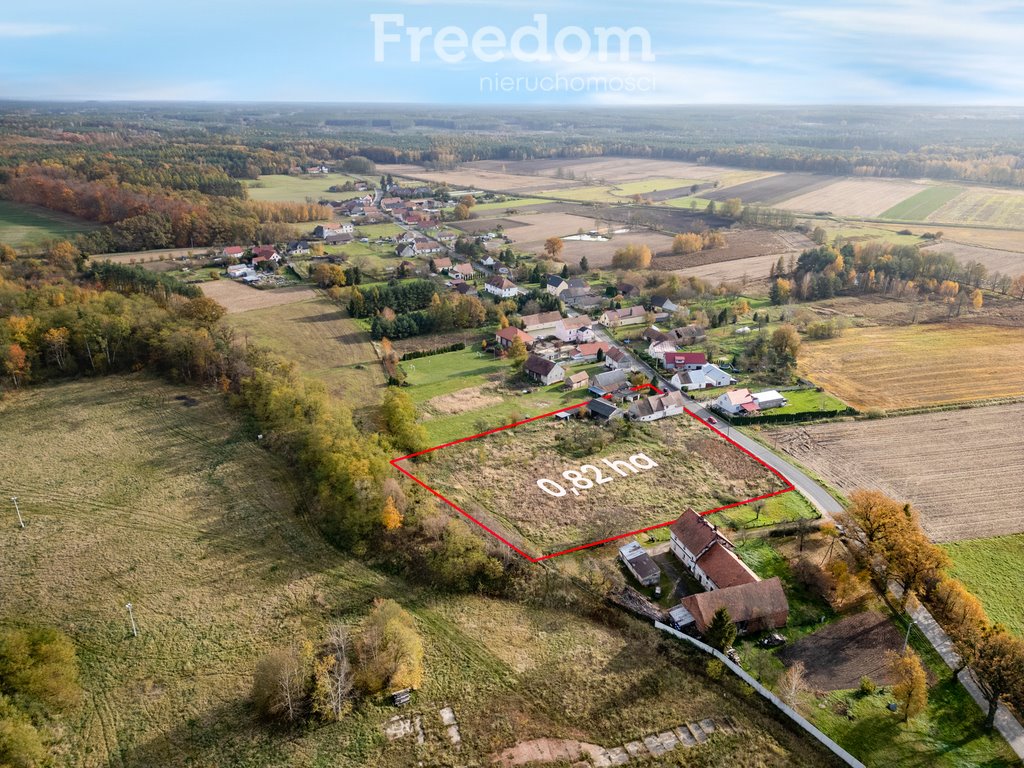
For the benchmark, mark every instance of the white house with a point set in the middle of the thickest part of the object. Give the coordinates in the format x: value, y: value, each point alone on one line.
x: 657, y: 407
x: 742, y: 402
x: 615, y: 358
x: 575, y: 329
x: 704, y: 377
x: 658, y: 349
x: 488, y: 261
x: 707, y: 554
x: 501, y: 287
x: 542, y: 370
x: 685, y: 361
x: 238, y: 270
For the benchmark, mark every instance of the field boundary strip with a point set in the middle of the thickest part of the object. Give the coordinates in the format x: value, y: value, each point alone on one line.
x: 397, y: 461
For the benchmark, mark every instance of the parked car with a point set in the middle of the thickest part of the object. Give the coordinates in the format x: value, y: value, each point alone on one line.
x: 734, y: 657
x: 774, y: 640
x: 712, y: 420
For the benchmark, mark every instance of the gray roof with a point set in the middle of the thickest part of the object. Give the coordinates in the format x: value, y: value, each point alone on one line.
x: 610, y: 379
x: 603, y: 408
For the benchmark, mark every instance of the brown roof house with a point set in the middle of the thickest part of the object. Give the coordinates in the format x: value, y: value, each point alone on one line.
x: 707, y: 553
x: 579, y: 380
x: 544, y: 371
x: 506, y: 336
x: 752, y: 607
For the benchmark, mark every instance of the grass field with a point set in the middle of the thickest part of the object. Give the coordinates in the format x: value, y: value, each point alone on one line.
x: 511, y: 203
x: 379, y: 230
x: 963, y: 469
x: 922, y: 205
x: 236, y: 297
x: 324, y: 344
x: 992, y: 570
x: 26, y: 226
x: 295, y: 189
x: 999, y: 208
x: 495, y: 478
x: 918, y: 365
x: 198, y: 527
x: 787, y: 508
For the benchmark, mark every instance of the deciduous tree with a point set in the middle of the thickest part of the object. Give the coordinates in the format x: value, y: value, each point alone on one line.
x: 911, y: 687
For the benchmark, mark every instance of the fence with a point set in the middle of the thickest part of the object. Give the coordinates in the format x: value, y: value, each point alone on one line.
x: 787, y: 710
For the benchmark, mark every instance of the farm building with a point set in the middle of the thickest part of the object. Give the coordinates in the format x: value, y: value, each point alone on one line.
x: 577, y: 380
x: 603, y: 410
x: 604, y: 383
x: 588, y: 353
x: 506, y: 336
x: 544, y: 371
x: 742, y: 402
x: 541, y: 322
x: 502, y: 287
x: 640, y: 564
x: 752, y: 607
x: 463, y: 288
x: 615, y: 358
x: 704, y: 377
x: 575, y: 329
x: 657, y: 407
x: 238, y: 270
x: 707, y: 553
x: 659, y: 349
x: 233, y: 252
x: 627, y: 290
x: 663, y: 304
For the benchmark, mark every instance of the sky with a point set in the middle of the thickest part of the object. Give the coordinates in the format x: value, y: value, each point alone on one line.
x: 931, y: 52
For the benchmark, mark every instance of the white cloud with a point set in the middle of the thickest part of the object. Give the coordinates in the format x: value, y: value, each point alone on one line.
x: 11, y: 29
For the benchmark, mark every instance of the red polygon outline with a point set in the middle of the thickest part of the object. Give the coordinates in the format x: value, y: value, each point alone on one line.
x: 394, y: 462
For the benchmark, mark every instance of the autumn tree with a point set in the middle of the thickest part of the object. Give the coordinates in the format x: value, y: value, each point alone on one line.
x: 16, y: 364
x: 553, y: 247
x: 785, y: 344
x: 913, y: 559
x: 389, y: 650
x: 333, y: 676
x: 281, y: 682
x: 910, y: 688
x: 517, y: 352
x: 62, y: 254
x: 781, y: 291
x: 328, y: 275
x: 721, y: 632
x: 57, y: 341
x: 390, y: 517
x: 461, y: 212
x: 732, y: 208
x: 999, y: 668
x: 740, y: 307
x: 977, y: 299
x: 7, y: 253
x: 880, y: 518
x: 685, y: 243
x: 633, y: 256
x: 400, y: 418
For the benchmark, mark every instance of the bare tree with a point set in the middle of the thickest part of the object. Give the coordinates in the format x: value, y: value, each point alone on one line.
x: 792, y: 683
x: 333, y: 676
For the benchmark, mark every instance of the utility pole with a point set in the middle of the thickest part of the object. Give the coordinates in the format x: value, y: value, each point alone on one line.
x: 906, y: 640
x: 135, y: 630
x: 18, y: 510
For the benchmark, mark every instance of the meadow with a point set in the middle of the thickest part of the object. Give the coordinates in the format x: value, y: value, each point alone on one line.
x: 28, y: 226
x: 203, y: 531
x: 922, y: 205
x: 988, y: 207
x: 919, y: 365
x: 992, y: 570
x: 296, y: 189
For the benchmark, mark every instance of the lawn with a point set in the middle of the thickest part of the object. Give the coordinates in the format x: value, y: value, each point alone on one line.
x: 809, y: 400
x: 295, y: 189
x: 786, y: 508
x: 379, y: 230
x: 992, y: 569
x: 922, y: 205
x: 196, y: 525
x: 28, y: 226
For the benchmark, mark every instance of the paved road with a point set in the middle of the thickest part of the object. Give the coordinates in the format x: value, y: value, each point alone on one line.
x: 813, y: 491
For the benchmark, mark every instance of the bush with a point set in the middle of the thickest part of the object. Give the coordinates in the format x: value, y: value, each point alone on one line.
x: 867, y: 686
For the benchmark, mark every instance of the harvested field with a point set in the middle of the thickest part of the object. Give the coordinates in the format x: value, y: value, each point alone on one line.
x: 235, y: 297
x: 998, y: 239
x: 1007, y: 262
x: 741, y: 243
x: 837, y: 656
x: 622, y: 170
x: 964, y: 470
x: 469, y: 177
x: 600, y: 254
x: 323, y: 342
x: 854, y: 197
x: 1000, y: 208
x: 147, y: 259
x: 918, y: 365
x: 772, y: 189
x: 695, y: 467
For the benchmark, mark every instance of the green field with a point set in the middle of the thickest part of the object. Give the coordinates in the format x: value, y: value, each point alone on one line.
x: 787, y: 508
x: 512, y: 202
x: 379, y: 230
x: 992, y: 569
x: 806, y: 400
x: 202, y: 530
x: 27, y: 226
x: 922, y: 205
x: 295, y: 189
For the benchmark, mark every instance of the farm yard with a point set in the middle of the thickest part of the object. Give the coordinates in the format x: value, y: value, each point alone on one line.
x: 866, y: 198
x: 963, y: 469
x: 196, y: 525
x: 494, y: 479
x: 29, y: 226
x: 920, y: 365
x: 235, y: 297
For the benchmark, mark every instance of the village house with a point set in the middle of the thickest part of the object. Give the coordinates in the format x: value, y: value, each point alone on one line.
x: 588, y: 353
x: 613, y: 318
x: 390, y: 202
x: 506, y: 336
x: 233, y: 252
x: 407, y: 237
x: 616, y: 358
x: 577, y: 380
x: 444, y: 264
x: 685, y: 361
x: 501, y: 287
x: 707, y: 554
x: 425, y: 246
x: 544, y: 321
x: 463, y: 288
x: 406, y: 252
x: 555, y: 285
x: 627, y: 290
x: 298, y: 248
x: 663, y: 304
x: 657, y: 407
x: 575, y: 329
x: 463, y: 271
x: 743, y: 402
x: 339, y: 238
x: 658, y: 349
x: 543, y: 371
x: 706, y: 376
x: 602, y: 384
x: 324, y: 231
x: 752, y: 607
x: 640, y: 564
x: 265, y: 253
x: 488, y: 261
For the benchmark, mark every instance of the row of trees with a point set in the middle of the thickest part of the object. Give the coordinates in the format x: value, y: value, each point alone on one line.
x: 895, y: 549
x: 691, y: 242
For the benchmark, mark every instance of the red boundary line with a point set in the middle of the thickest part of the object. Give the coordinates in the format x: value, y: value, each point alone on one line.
x: 395, y: 463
